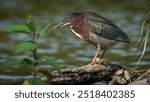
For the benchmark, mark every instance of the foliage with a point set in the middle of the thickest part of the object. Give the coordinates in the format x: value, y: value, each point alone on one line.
x: 25, y: 46
x: 11, y: 62
x: 144, y: 42
x: 52, y: 62
x: 31, y: 46
x: 33, y: 82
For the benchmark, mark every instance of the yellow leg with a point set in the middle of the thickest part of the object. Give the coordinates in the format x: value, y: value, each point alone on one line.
x: 96, y: 54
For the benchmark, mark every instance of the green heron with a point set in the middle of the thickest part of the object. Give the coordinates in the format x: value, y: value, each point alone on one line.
x: 95, y: 29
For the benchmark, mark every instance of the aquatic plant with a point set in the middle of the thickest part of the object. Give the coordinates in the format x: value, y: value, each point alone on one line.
x: 31, y: 45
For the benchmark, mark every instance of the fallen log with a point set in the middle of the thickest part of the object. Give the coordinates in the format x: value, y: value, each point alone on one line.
x: 101, y: 71
x: 86, y: 74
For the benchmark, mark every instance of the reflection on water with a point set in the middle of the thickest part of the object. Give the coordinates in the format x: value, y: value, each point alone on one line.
x: 62, y: 44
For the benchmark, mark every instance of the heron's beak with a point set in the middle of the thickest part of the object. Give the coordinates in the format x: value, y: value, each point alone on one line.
x: 64, y: 24
x: 59, y: 25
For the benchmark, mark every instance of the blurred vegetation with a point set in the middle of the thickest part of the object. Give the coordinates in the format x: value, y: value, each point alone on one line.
x: 143, y: 42
x: 32, y: 59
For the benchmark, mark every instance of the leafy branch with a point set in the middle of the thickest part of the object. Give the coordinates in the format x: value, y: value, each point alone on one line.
x: 31, y: 45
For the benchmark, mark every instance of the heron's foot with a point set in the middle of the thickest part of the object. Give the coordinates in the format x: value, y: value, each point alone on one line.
x: 99, y: 61
x: 96, y: 61
x: 102, y: 62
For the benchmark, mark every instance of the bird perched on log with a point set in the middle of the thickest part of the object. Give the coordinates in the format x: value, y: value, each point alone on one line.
x: 94, y: 29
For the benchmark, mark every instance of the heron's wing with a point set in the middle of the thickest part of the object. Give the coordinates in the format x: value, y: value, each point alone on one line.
x: 105, y: 28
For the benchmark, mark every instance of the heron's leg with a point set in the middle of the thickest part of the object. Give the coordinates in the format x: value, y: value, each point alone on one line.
x: 96, y: 54
x: 103, y: 55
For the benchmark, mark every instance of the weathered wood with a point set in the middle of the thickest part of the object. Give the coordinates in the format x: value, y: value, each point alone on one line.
x: 87, y: 74
x: 143, y: 79
x: 121, y: 77
x: 101, y: 71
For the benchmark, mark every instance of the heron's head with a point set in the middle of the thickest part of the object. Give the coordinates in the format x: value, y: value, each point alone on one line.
x: 66, y: 21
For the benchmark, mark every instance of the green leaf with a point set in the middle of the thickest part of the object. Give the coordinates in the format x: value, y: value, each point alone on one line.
x: 27, y: 61
x: 34, y: 82
x: 45, y: 73
x: 47, y: 28
x: 52, y: 62
x: 11, y: 62
x: 25, y: 46
x: 17, y: 28
x: 30, y: 23
x: 27, y: 82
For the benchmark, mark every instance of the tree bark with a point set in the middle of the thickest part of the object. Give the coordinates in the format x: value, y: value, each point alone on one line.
x: 143, y: 79
x: 90, y: 74
x: 86, y: 74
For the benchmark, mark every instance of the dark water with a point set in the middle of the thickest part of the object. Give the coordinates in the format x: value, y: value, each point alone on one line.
x: 61, y: 44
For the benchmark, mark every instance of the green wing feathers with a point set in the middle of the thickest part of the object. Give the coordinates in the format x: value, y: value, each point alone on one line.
x: 105, y: 28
